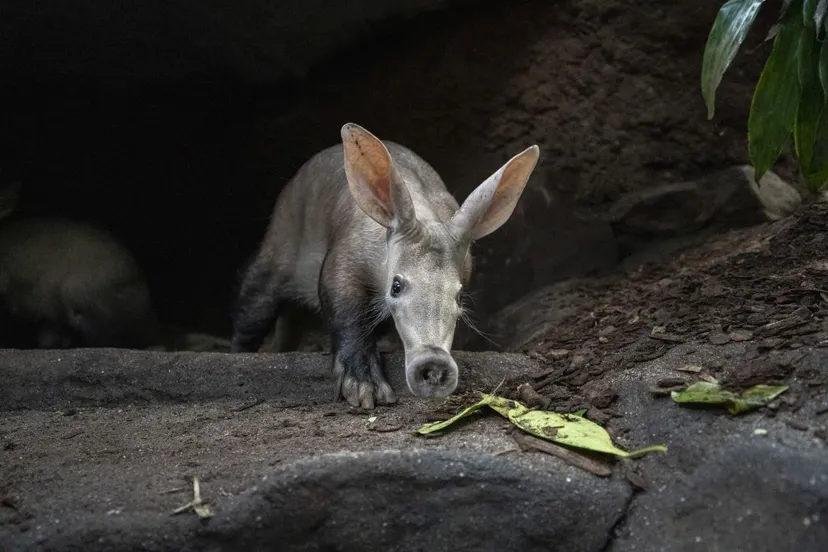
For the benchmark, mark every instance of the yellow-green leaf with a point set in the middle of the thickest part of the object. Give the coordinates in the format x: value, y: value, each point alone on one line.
x: 705, y: 392
x: 565, y: 429
x: 776, y: 98
x: 726, y: 36
x: 437, y: 426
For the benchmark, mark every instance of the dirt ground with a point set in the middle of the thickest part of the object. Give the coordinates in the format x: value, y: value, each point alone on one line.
x: 766, y: 285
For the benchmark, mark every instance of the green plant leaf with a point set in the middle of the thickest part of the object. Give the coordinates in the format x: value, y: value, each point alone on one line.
x: 823, y: 64
x: 819, y: 14
x: 776, y: 98
x: 817, y: 179
x: 816, y: 172
x: 808, y: 8
x: 811, y: 103
x: 726, y: 36
x: 817, y: 175
x: 705, y: 392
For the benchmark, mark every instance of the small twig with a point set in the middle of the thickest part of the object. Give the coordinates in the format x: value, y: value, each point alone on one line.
x: 73, y: 434
x: 552, y: 378
x: 506, y: 451
x: 573, y: 458
x: 171, y: 491
x: 387, y: 429
x: 664, y: 336
x: 667, y: 390
x: 199, y: 507
x: 494, y: 391
x: 244, y: 407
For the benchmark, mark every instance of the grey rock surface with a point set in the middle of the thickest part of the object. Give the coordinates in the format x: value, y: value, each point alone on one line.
x: 743, y: 496
x: 389, y: 500
x: 100, y: 377
x: 416, y: 500
x: 299, y: 472
x: 727, y: 483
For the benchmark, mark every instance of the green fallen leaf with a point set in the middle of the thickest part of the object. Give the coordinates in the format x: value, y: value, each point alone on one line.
x: 565, y: 429
x: 762, y: 394
x: 579, y: 412
x: 437, y: 426
x: 704, y: 392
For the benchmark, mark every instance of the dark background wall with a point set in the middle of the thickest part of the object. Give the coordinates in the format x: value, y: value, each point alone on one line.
x: 176, y: 124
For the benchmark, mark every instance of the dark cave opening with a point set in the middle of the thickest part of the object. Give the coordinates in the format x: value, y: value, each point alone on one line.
x: 185, y: 170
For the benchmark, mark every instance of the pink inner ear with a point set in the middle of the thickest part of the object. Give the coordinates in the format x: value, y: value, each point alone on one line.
x: 374, y: 164
x: 510, y: 186
x: 382, y: 190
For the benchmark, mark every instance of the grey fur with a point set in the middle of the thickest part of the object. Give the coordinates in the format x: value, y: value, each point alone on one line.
x: 336, y: 247
x: 69, y: 284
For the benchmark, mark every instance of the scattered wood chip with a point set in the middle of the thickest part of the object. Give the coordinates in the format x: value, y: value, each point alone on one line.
x: 635, y: 478
x: 741, y: 335
x: 779, y: 326
x: 532, y: 398
x: 527, y: 442
x: 659, y: 333
x: 718, y: 338
x: 798, y: 425
x: 201, y: 509
x: 549, y: 380
x: 599, y: 416
x: 692, y: 368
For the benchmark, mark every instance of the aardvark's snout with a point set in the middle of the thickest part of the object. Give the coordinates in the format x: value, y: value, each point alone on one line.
x: 431, y: 372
